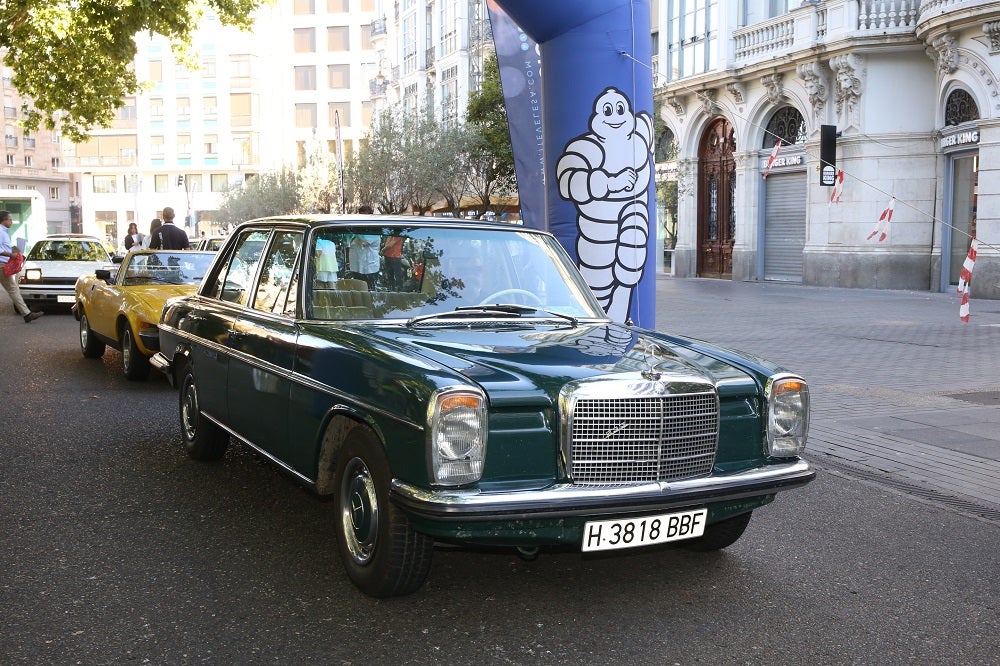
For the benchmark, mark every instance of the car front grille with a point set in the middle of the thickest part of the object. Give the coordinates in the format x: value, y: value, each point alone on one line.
x: 642, y: 439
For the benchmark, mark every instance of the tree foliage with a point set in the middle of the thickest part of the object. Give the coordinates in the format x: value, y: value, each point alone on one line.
x: 73, y: 58
x: 491, y: 159
x: 318, y: 185
x: 260, y: 196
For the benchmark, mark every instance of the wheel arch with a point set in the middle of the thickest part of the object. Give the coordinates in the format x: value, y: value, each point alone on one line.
x: 339, y: 424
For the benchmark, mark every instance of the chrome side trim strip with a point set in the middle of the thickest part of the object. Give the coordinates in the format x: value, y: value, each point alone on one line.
x: 564, y: 499
x: 301, y: 478
x: 295, y: 377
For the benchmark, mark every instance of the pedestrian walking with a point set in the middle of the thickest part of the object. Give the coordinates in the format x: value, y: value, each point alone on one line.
x: 154, y: 226
x: 10, y: 253
x: 134, y: 238
x: 168, y: 236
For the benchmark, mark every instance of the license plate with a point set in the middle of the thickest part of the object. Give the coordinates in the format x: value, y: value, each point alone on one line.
x: 643, y: 531
x: 65, y: 299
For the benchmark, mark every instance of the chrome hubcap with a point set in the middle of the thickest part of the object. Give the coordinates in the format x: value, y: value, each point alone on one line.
x: 359, y: 511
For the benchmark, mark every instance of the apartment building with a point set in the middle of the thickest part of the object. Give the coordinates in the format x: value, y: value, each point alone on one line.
x: 911, y: 87
x: 254, y: 102
x: 31, y: 170
x: 430, y: 54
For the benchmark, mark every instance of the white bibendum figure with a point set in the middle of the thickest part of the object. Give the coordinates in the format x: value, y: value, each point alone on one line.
x: 606, y: 174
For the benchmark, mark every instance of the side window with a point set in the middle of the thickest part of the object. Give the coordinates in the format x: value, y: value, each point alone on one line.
x: 277, y: 276
x: 233, y: 282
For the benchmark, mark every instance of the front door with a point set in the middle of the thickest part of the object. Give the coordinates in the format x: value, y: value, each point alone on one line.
x: 716, y: 193
x: 963, y: 212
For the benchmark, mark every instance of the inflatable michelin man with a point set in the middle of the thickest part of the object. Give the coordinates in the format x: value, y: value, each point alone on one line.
x: 606, y: 174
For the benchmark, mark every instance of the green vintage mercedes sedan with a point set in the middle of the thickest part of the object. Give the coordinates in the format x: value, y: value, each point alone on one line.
x: 459, y: 383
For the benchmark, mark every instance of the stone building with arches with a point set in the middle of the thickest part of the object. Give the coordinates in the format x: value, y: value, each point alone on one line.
x: 913, y: 89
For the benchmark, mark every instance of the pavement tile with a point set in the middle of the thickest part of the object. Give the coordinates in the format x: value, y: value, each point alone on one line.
x: 900, y: 387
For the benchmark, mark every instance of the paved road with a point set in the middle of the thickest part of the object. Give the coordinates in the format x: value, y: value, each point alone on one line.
x: 117, y: 549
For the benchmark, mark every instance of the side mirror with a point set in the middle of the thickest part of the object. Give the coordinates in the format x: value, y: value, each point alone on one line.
x: 103, y: 274
x: 117, y: 259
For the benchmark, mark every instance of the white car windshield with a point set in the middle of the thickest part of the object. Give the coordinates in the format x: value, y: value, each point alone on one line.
x: 406, y: 272
x: 68, y: 250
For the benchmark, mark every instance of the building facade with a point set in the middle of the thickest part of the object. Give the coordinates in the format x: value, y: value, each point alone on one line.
x: 912, y: 89
x: 430, y: 54
x: 33, y: 162
x: 254, y: 102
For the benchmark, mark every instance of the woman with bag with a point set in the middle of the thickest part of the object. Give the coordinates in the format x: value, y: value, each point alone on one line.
x: 11, y: 259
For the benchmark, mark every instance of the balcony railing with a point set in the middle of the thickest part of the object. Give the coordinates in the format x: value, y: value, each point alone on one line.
x: 377, y: 86
x: 888, y: 14
x: 29, y: 142
x: 772, y: 37
x: 379, y: 27
x: 808, y: 26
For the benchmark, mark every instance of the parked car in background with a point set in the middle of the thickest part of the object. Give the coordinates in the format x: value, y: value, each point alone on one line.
x: 208, y: 243
x: 483, y: 398
x: 53, y: 264
x: 121, y: 306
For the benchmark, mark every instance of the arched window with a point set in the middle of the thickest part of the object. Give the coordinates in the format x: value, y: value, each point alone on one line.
x: 786, y: 124
x: 666, y: 146
x: 960, y: 108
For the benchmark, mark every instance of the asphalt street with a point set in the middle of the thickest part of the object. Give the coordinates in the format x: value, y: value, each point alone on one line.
x: 115, y: 548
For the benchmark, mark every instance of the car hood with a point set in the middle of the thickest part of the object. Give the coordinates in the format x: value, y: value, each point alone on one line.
x: 519, y: 364
x: 146, y: 301
x: 69, y: 269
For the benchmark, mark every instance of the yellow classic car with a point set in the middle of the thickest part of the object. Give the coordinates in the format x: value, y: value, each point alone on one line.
x: 120, y: 306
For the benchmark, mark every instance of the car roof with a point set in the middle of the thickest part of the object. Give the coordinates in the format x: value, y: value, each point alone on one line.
x: 73, y: 237
x: 390, y: 221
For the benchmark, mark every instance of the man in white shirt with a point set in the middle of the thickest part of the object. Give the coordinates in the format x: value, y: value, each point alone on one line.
x: 9, y: 282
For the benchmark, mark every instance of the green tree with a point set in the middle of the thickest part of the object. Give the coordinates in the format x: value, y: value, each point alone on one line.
x: 318, y: 186
x: 260, y: 196
x: 73, y: 58
x: 491, y: 159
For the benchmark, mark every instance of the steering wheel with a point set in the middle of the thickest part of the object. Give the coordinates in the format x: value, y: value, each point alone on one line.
x: 494, y: 298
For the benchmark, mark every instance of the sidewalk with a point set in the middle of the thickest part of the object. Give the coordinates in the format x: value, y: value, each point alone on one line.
x: 902, y: 391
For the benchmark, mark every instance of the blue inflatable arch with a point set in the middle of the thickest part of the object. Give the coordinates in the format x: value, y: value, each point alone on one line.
x: 590, y: 131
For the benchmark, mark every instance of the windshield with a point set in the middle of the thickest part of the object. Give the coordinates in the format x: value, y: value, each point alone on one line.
x: 68, y: 250
x: 166, y: 268
x: 404, y: 272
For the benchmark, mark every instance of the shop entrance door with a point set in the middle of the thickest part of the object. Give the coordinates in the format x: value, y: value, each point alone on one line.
x: 716, y: 193
x: 964, y: 184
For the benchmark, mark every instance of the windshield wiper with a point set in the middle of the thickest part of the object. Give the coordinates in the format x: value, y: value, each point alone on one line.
x: 515, y: 308
x: 504, y: 310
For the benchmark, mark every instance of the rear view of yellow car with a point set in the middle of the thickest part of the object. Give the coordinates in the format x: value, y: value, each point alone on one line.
x: 121, y: 308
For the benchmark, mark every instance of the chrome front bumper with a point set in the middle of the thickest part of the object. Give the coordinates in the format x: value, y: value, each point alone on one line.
x: 565, y: 500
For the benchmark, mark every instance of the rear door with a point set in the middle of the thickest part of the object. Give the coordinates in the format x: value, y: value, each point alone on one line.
x: 227, y: 295
x: 263, y: 341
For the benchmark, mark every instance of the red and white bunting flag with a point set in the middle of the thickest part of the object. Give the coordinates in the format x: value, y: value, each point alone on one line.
x: 774, y: 156
x: 970, y: 261
x: 964, y: 278
x: 838, y: 187
x: 883, y: 222
x: 963, y: 309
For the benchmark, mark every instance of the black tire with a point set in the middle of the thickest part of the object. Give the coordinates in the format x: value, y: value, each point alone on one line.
x: 203, y: 439
x: 89, y: 344
x: 719, y: 535
x: 135, y: 364
x: 383, y: 555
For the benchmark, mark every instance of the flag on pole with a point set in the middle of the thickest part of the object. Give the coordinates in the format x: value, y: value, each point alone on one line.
x: 838, y: 187
x: 883, y: 222
x: 964, y: 278
x: 774, y: 156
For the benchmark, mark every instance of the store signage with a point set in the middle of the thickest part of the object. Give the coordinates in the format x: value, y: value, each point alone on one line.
x: 960, y: 139
x: 791, y: 160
